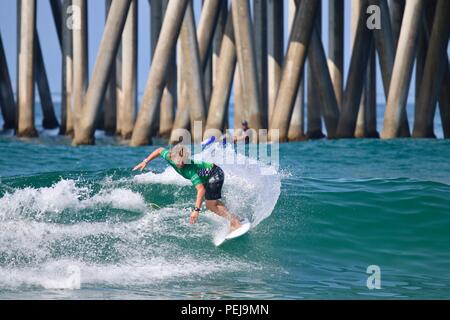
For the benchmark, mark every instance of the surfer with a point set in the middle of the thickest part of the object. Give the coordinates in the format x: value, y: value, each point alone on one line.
x: 206, y: 177
x: 244, y: 134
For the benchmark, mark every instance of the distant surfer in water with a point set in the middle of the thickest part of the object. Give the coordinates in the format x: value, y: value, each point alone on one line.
x: 206, y: 177
x: 244, y: 134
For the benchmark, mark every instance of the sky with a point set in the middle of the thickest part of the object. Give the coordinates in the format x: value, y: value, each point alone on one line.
x: 96, y: 19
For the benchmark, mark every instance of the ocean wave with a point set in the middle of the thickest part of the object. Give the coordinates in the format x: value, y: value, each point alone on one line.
x: 65, y: 194
x: 102, y: 227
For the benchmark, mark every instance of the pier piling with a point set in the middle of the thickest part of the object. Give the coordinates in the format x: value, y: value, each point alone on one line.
x: 193, y: 71
x: 402, y: 70
x: 433, y: 72
x: 158, y: 72
x: 80, y: 61
x: 314, y: 105
x: 224, y: 79
x: 26, y: 69
x: 49, y: 120
x: 293, y: 66
x: 7, y: 103
x: 356, y: 77
x: 102, y: 69
x: 129, y: 73
x: 260, y: 36
x: 296, y: 130
x: 275, y: 51
x: 236, y: 52
x: 336, y: 47
x: 246, y: 55
x: 66, y: 124
x: 107, y: 115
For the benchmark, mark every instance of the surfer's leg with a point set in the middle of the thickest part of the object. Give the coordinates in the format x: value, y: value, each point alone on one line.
x: 219, y: 208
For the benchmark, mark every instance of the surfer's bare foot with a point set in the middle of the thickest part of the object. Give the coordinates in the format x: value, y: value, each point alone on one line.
x: 235, y: 224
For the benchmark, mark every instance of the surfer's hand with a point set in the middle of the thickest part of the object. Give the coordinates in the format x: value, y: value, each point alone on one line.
x: 194, y: 217
x: 141, y: 166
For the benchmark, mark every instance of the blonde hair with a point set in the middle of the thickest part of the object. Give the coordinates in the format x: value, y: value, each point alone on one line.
x: 180, y: 153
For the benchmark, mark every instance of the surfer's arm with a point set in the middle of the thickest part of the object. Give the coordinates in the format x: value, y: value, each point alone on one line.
x: 198, y: 202
x: 151, y: 157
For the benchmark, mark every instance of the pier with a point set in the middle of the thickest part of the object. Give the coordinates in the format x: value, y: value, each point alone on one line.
x: 236, y: 48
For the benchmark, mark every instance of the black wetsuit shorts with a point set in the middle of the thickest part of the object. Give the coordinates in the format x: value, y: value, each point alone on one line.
x: 214, y: 184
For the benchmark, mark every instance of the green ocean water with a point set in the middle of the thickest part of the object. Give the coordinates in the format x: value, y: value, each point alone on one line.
x: 330, y: 210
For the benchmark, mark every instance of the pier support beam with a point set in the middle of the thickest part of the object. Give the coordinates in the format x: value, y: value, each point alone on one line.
x: 357, y: 9
x: 7, y: 103
x: 356, y: 78
x: 366, y: 123
x: 166, y: 110
x: 224, y: 79
x: 275, y: 51
x: 402, y: 71
x: 371, y: 96
x: 217, y: 38
x: 293, y: 67
x: 217, y: 42
x: 129, y: 73
x: 169, y: 99
x: 336, y: 47
x: 444, y: 102
x: 66, y: 127
x: 157, y: 12
x: 158, y: 72
x: 182, y: 115
x: 26, y: 72
x: 245, y: 48
x: 238, y: 99
x: 205, y: 33
x: 207, y: 79
x: 49, y: 120
x: 444, y: 97
x: 314, y: 106
x: 102, y: 69
x: 193, y: 71
x: 80, y: 61
x: 296, y: 130
x: 323, y: 84
x: 433, y: 72
x: 260, y: 36
x: 206, y: 28
x: 107, y: 117
x: 385, y: 45
x: 420, y: 60
x: 396, y: 8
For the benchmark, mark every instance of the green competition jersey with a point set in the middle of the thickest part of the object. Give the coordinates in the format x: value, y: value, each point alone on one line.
x: 196, y: 171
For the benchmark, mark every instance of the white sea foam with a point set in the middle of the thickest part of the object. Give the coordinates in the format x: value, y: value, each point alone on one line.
x: 249, y: 190
x: 65, y: 194
x: 141, y: 260
x: 71, y: 275
x: 36, y: 251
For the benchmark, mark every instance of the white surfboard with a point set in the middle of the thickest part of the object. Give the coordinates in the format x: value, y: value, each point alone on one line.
x: 236, y: 233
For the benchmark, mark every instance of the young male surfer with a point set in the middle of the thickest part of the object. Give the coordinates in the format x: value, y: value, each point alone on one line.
x: 206, y: 177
